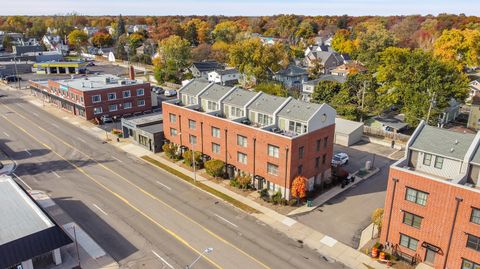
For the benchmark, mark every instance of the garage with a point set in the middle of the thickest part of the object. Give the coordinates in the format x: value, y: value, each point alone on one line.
x: 347, y: 132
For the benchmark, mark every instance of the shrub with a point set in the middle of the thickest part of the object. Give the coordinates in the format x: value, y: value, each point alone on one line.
x: 171, y: 150
x: 214, y: 167
x: 277, y: 198
x: 234, y: 182
x: 292, y: 202
x: 187, y: 158
x: 264, y: 194
x: 244, y: 181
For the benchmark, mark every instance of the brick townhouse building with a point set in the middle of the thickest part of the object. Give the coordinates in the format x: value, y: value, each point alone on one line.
x: 432, y: 206
x: 94, y: 96
x: 271, y: 138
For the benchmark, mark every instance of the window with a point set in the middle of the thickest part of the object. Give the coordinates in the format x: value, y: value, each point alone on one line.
x: 317, y: 162
x: 242, y: 157
x: 141, y: 102
x: 301, y: 151
x: 236, y: 112
x: 438, y: 162
x: 96, y: 98
x: 215, y: 132
x: 408, y: 242
x: 427, y: 159
x: 81, y: 99
x: 273, y: 151
x: 242, y: 141
x: 416, y: 196
x: 297, y: 127
x: 191, y: 100
x: 140, y: 92
x: 318, y: 144
x: 173, y: 132
x: 466, y: 264
x: 126, y: 94
x: 473, y: 242
x: 475, y: 217
x: 325, y: 142
x: 264, y: 119
x: 300, y: 169
x: 127, y: 105
x: 112, y: 96
x: 212, y: 105
x: 192, y: 139
x: 324, y: 158
x: 272, y: 169
x: 192, y: 124
x: 215, y: 148
x: 172, y: 117
x: 412, y: 220
x: 97, y: 110
x: 112, y: 108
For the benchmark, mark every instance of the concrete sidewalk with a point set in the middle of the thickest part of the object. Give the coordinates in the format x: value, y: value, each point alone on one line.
x: 8, y: 164
x: 328, y: 247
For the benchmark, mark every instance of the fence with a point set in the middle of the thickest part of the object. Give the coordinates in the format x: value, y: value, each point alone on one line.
x: 376, y: 132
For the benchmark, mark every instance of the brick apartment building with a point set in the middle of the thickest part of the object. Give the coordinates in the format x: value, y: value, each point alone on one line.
x: 432, y: 206
x: 271, y: 138
x: 94, y: 96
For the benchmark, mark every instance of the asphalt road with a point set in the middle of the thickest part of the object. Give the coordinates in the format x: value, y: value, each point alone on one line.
x: 131, y: 208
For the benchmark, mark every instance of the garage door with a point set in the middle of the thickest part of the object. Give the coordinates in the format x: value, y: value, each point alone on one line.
x: 341, y: 139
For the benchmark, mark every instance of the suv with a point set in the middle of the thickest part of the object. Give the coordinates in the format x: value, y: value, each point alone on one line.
x: 340, y: 159
x: 170, y: 93
x: 106, y: 118
x: 158, y: 90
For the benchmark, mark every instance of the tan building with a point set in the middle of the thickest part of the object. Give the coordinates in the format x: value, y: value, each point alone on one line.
x: 474, y: 117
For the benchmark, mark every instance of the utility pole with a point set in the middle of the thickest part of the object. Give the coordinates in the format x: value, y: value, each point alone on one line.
x: 16, y: 71
x: 193, y: 161
x: 363, y: 99
x: 432, y: 100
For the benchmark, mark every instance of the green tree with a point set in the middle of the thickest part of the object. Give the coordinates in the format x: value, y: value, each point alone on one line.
x: 7, y: 43
x: 325, y: 91
x: 373, y: 40
x: 120, y: 27
x: 102, y: 40
x: 191, y: 34
x: 214, y: 168
x: 272, y: 88
x: 252, y: 58
x: 459, y: 47
x: 305, y: 30
x: 174, y: 56
x: 226, y: 31
x: 343, y: 43
x: 410, y: 78
x: 78, y: 39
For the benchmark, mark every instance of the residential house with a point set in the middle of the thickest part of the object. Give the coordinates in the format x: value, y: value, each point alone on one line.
x: 140, y: 28
x: 474, y: 116
x: 432, y: 205
x: 227, y: 77
x: 201, y: 69
x: 327, y: 59
x: 474, y: 89
x: 291, y: 77
x: 90, y: 30
x: 348, y: 69
x: 309, y: 86
x: 55, y: 43
x: 388, y: 122
x: 273, y: 139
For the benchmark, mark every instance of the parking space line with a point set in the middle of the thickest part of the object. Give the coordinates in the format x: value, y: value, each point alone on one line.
x: 162, y: 259
x: 28, y: 152
x: 99, y: 209
x: 24, y: 183
x: 7, y: 135
x: 55, y: 173
x: 117, y: 159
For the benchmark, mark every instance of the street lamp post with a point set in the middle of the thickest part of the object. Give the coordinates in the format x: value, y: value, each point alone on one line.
x: 193, y: 161
x: 205, y: 252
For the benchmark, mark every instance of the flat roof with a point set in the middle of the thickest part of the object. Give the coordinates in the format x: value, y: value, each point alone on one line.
x: 144, y: 119
x: 98, y: 82
x: 153, y: 129
x: 344, y: 126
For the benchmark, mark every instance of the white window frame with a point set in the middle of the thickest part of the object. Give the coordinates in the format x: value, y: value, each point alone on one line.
x: 128, y: 95
x: 214, y: 132
x: 173, y: 132
x: 272, y: 169
x: 114, y: 96
x: 99, y: 98
x: 140, y: 90
x: 273, y: 151
x: 127, y: 105
x: 242, y: 157
x: 95, y: 112
x: 111, y: 110
x: 141, y: 102
x: 242, y: 141
x: 216, y: 146
x: 172, y: 117
x: 192, y: 139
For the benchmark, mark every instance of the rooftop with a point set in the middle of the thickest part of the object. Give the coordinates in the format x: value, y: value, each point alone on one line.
x: 291, y: 71
x: 227, y: 71
x: 215, y: 92
x: 98, y: 82
x: 143, y: 120
x: 443, y: 142
x: 339, y: 79
x: 298, y: 110
x: 239, y: 97
x: 266, y: 103
x: 194, y: 87
x: 344, y: 126
x: 154, y: 128
x: 207, y: 65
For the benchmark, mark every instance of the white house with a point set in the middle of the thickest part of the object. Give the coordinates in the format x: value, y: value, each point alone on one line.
x: 227, y: 77
x: 89, y: 30
x: 474, y: 89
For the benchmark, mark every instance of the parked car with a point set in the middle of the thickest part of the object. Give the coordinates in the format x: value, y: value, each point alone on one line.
x: 106, y: 118
x: 170, y: 93
x: 340, y: 159
x: 11, y: 78
x: 91, y: 64
x: 158, y: 90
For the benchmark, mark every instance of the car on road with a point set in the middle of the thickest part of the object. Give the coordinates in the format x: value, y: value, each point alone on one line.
x: 170, y: 93
x: 340, y: 159
x: 106, y: 118
x: 12, y: 78
x: 90, y: 64
x: 158, y: 90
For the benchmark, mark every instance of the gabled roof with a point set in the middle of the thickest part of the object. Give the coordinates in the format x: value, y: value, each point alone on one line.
x: 395, y: 122
x: 227, y: 71
x: 298, y: 110
x: 239, y: 97
x: 215, y: 92
x: 207, y: 66
x: 314, y: 82
x: 443, y: 142
x: 194, y: 87
x: 292, y: 71
x: 266, y: 103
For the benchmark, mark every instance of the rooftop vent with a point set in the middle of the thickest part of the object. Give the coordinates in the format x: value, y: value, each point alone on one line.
x: 452, y: 149
x: 91, y: 85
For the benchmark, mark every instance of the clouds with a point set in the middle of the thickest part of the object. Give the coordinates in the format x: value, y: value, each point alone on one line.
x: 238, y: 7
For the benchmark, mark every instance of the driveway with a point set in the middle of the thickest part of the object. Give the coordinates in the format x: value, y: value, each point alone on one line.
x: 347, y: 214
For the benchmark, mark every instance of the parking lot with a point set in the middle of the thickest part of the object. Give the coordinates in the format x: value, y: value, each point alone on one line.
x: 347, y: 214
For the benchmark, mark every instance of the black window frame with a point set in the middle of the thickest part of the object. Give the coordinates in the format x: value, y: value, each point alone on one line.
x: 410, y: 239
x: 473, y: 242
x: 411, y: 222
x: 472, y: 217
x: 425, y: 159
x: 441, y: 164
x: 416, y: 196
x: 301, y: 152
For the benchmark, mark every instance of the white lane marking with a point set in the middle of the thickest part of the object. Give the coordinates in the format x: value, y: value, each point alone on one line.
x: 99, y: 209
x: 162, y: 259
x: 117, y: 159
x: 289, y: 221
x: 81, y: 140
x: 24, y: 183
x: 222, y: 218
x: 35, y: 114
x: 55, y: 173
x: 167, y: 187
x: 28, y: 152
x: 54, y: 125
x: 7, y: 135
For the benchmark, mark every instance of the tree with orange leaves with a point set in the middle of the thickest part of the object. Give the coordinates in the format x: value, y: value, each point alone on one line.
x: 299, y: 188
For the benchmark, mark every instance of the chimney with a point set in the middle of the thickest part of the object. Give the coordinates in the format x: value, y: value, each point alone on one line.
x: 131, y: 72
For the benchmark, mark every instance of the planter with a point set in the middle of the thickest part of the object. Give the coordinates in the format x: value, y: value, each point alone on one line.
x: 374, y: 252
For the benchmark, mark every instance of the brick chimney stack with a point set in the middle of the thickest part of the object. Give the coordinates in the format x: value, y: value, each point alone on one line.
x: 131, y: 72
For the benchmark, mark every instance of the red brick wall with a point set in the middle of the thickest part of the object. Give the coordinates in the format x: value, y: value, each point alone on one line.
x: 438, y: 214
x: 262, y: 138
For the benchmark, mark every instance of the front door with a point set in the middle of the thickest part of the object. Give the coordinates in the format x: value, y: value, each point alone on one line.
x: 430, y: 256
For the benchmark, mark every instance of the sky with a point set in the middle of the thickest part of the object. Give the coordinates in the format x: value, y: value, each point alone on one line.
x: 239, y: 7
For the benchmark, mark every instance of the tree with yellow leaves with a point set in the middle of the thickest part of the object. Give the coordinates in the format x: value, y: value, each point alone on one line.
x: 461, y: 47
x: 299, y: 188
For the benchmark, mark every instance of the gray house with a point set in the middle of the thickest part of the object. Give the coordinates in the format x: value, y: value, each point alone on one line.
x: 145, y: 130
x: 201, y: 69
x: 292, y: 76
x: 328, y: 59
x: 309, y: 86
